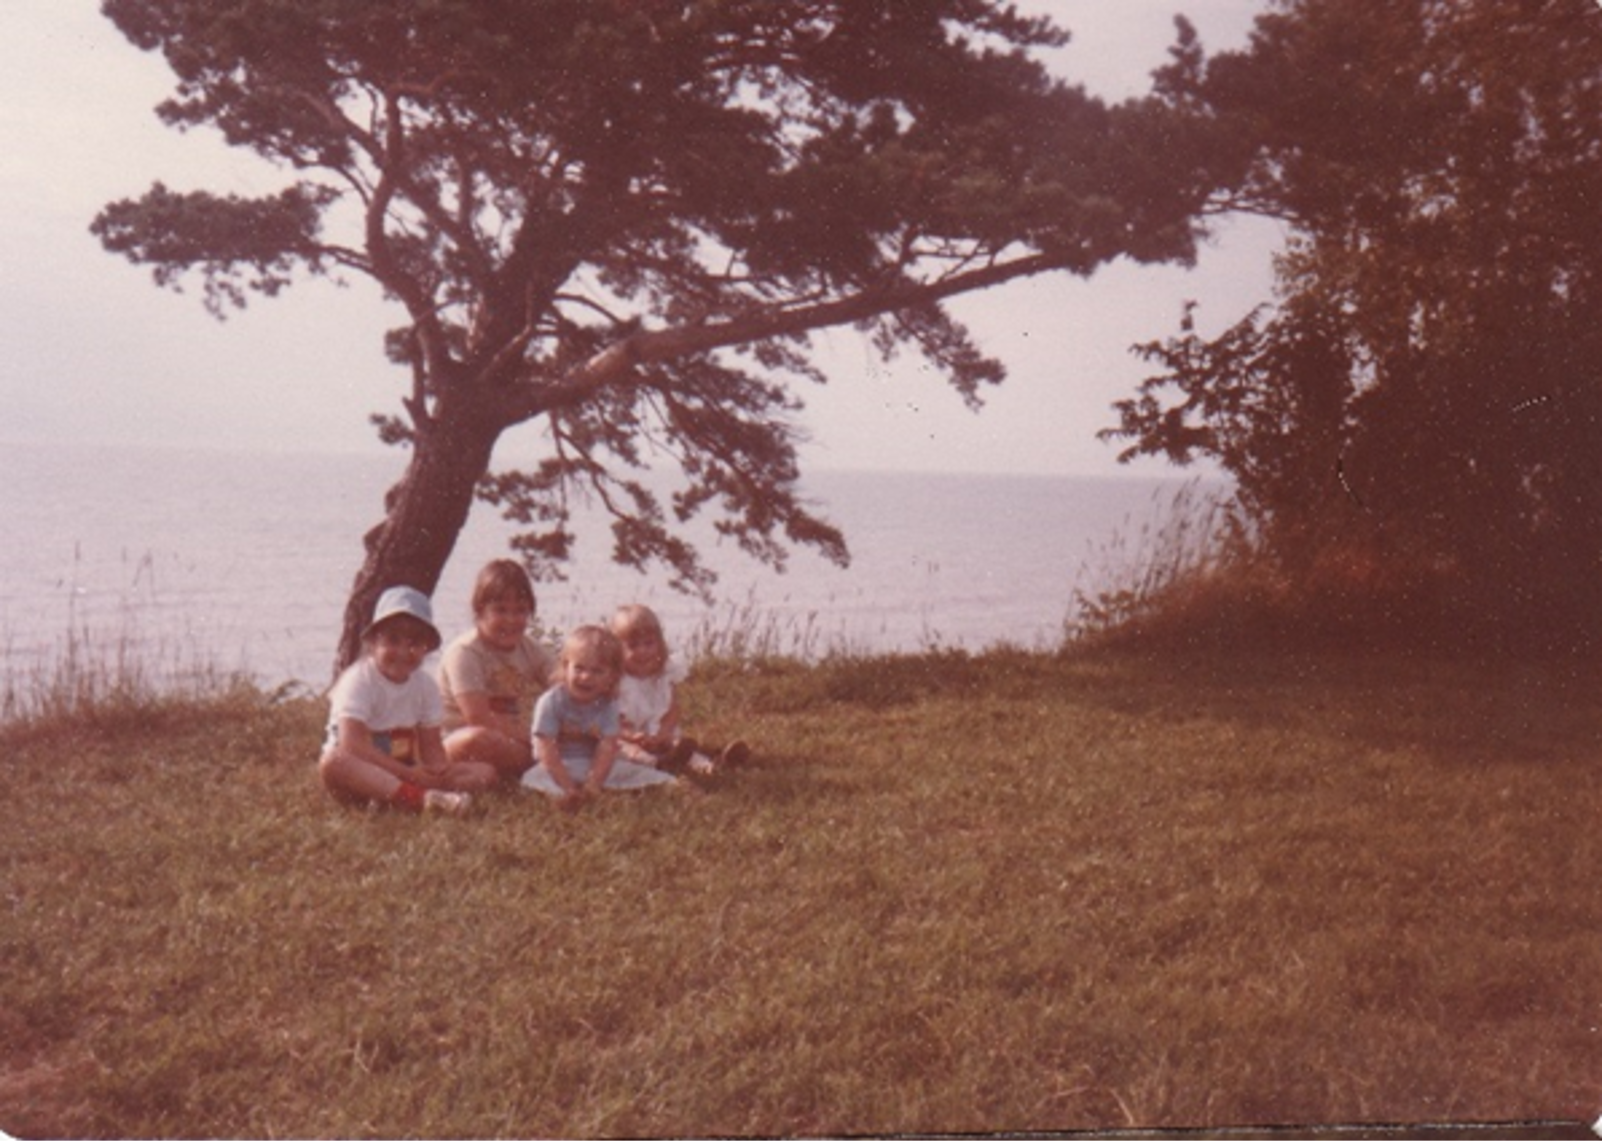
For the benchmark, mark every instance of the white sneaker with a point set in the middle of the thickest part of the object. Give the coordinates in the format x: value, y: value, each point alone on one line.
x: 445, y: 802
x: 700, y: 764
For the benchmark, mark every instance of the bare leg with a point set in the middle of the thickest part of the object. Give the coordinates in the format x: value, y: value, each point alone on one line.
x: 352, y: 779
x: 507, y: 757
x: 473, y: 777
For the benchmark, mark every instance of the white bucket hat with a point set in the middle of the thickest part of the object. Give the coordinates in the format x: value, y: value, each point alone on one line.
x: 405, y: 601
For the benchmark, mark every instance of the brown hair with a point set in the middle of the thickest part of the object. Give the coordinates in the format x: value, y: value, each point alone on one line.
x: 502, y: 579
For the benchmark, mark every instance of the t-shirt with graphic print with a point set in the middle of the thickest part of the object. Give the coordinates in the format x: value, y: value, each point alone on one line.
x: 578, y: 727
x: 510, y: 680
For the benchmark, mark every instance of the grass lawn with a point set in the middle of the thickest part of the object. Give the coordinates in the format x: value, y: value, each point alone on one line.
x: 994, y: 893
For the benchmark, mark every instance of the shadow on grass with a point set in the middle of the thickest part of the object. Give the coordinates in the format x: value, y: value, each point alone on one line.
x: 1453, y: 711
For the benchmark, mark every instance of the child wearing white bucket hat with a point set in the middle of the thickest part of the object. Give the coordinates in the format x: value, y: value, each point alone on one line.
x: 384, y: 739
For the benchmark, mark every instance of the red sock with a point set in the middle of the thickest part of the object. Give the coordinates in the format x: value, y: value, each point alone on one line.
x: 408, y: 795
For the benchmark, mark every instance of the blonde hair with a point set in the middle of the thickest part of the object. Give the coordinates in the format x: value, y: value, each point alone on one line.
x: 638, y: 619
x: 593, y: 636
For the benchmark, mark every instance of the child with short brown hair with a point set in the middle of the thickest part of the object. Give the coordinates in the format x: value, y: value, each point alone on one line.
x: 491, y: 675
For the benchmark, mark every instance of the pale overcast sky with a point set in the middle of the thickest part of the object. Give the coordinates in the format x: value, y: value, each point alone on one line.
x: 94, y: 352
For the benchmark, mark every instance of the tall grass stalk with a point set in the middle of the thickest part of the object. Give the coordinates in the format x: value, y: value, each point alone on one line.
x: 101, y: 667
x: 746, y: 632
x: 1133, y: 577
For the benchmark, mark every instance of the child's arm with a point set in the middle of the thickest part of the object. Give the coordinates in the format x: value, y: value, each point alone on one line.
x: 551, y: 758
x: 668, y: 725
x: 573, y: 796
x: 601, y: 764
x: 665, y: 737
x: 434, y: 765
x: 650, y: 743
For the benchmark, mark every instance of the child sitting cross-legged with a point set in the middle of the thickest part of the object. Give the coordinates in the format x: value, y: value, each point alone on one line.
x: 384, y: 741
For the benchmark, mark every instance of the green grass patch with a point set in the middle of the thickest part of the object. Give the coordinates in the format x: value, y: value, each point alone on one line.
x: 955, y: 893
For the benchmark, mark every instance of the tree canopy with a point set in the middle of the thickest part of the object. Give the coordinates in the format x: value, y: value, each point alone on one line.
x: 1423, y: 394
x: 622, y: 219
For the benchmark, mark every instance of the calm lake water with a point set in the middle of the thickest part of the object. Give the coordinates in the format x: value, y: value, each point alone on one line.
x: 242, y: 562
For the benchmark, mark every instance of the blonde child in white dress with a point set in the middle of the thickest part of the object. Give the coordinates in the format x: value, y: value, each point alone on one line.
x: 648, y: 704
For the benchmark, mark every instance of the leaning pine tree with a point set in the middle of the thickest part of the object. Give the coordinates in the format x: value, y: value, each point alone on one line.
x: 623, y: 218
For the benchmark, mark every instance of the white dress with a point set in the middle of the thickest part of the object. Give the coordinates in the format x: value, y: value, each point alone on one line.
x: 643, y: 701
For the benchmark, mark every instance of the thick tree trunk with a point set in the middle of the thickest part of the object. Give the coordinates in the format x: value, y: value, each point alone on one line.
x: 424, y: 513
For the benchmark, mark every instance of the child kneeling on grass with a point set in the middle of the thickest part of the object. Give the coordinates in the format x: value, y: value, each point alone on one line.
x: 384, y: 743
x: 576, y: 726
x: 649, y: 705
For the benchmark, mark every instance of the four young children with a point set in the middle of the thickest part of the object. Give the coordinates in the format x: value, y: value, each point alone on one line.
x: 602, y: 716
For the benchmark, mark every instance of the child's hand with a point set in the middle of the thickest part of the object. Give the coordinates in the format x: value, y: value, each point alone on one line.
x: 432, y: 777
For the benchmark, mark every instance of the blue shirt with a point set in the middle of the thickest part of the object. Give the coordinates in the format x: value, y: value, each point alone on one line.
x: 578, y: 727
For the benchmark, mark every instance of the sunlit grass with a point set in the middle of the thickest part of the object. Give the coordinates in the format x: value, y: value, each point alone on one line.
x: 957, y: 893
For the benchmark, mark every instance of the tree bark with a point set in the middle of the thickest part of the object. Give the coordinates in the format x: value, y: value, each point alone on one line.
x: 424, y: 513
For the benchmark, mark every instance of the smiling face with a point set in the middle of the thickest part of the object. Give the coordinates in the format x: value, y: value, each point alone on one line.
x: 399, y: 645
x: 588, y: 675
x: 644, y: 654
x: 502, y: 622
x: 503, y: 604
x: 645, y: 649
x: 591, y: 662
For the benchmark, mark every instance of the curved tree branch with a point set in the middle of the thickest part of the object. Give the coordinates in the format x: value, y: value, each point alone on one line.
x: 613, y: 363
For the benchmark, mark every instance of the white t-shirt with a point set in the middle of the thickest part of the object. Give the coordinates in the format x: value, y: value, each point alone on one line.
x: 383, y: 706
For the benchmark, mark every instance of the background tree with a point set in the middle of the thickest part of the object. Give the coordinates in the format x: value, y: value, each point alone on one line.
x: 622, y: 218
x: 1424, y: 395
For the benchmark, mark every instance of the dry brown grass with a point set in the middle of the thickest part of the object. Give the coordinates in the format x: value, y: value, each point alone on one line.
x: 995, y: 893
